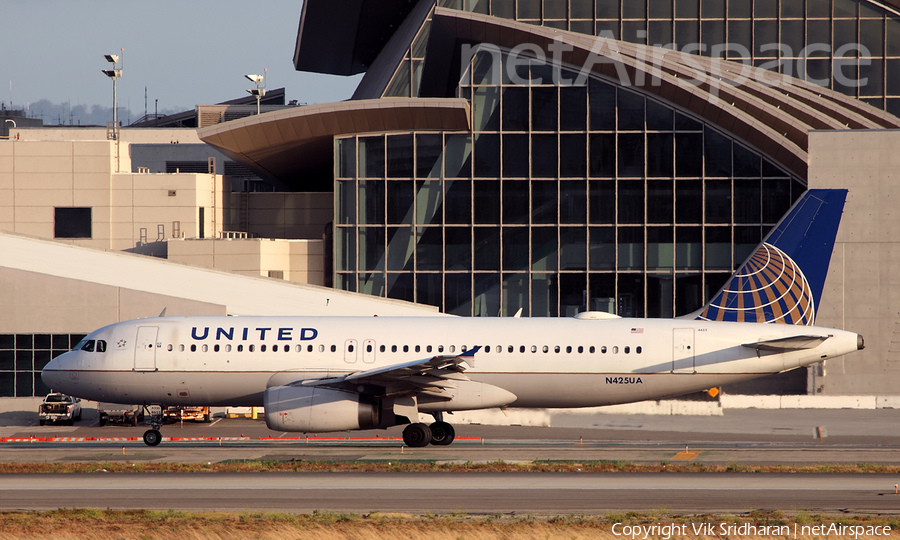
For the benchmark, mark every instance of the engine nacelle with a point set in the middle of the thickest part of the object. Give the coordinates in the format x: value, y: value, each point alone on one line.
x: 314, y: 409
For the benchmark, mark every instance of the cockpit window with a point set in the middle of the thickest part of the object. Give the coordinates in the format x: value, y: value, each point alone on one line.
x: 80, y: 344
x: 101, y: 345
x: 89, y: 346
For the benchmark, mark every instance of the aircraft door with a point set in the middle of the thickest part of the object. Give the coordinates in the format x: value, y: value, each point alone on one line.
x: 351, y: 351
x: 683, y: 350
x: 145, y: 348
x: 369, y: 351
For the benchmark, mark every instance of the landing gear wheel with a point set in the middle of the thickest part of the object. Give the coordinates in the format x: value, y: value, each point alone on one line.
x: 152, y: 437
x: 442, y: 433
x: 417, y: 435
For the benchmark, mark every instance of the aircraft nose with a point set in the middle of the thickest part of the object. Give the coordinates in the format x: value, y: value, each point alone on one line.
x: 860, y: 343
x: 54, y: 373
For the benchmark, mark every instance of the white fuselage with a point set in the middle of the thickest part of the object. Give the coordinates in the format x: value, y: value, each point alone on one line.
x: 545, y: 362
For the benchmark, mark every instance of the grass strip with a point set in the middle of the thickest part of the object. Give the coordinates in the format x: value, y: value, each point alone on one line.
x: 85, y: 524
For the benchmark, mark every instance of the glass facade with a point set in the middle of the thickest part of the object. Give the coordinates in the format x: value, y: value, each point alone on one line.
x: 23, y: 356
x: 563, y: 198
x: 774, y: 33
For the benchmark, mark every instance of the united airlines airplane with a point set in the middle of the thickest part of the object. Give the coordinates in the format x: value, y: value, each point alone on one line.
x: 319, y: 374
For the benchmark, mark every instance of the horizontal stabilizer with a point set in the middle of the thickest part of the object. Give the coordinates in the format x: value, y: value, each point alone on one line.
x: 793, y: 343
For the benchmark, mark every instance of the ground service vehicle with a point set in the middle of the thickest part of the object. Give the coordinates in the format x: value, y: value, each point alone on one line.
x: 179, y: 413
x: 123, y: 414
x: 60, y: 408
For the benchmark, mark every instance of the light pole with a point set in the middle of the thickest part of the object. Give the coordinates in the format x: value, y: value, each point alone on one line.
x: 260, y: 90
x: 114, y: 74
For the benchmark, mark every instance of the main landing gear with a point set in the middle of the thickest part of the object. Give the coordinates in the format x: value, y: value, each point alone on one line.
x: 152, y: 437
x: 439, y: 433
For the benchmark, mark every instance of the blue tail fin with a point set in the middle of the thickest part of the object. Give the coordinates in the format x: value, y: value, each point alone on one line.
x: 782, y: 281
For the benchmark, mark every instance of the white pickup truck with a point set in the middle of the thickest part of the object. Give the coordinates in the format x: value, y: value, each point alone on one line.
x: 60, y: 408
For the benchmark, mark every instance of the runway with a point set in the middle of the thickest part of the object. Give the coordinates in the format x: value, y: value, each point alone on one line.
x: 473, y: 493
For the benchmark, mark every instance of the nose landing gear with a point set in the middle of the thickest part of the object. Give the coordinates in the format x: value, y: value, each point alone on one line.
x: 152, y: 437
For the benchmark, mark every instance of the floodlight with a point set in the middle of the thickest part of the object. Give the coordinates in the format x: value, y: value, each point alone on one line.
x: 112, y: 73
x: 255, y: 78
x: 111, y: 58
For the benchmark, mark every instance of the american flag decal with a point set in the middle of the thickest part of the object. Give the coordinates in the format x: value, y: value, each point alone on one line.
x: 637, y: 330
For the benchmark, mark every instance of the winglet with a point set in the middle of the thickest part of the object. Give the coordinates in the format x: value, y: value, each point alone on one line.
x: 470, y: 356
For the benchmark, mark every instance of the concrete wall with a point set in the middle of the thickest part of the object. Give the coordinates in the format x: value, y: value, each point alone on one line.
x: 37, y: 176
x: 279, y: 215
x: 33, y: 303
x: 300, y: 261
x: 862, y: 291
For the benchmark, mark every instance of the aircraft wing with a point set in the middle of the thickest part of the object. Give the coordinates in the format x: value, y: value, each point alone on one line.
x: 434, y: 374
x: 793, y: 343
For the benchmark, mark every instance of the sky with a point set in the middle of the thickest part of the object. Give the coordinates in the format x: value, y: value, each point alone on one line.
x: 185, y: 52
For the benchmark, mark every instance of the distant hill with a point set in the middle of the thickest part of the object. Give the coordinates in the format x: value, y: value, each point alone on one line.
x: 84, y: 115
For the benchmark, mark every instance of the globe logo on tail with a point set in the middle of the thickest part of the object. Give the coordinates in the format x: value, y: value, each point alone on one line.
x: 769, y: 287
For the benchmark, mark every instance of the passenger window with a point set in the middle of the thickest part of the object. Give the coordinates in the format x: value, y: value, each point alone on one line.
x: 556, y: 349
x: 350, y: 348
x: 521, y: 348
x: 499, y: 348
x: 440, y: 348
x: 321, y: 348
x: 510, y: 349
x: 418, y: 348
x: 406, y: 348
x: 369, y: 347
x: 101, y: 345
x: 216, y: 347
x: 487, y: 348
x: 463, y: 348
x: 274, y: 348
x: 309, y: 348
x: 428, y: 348
x: 580, y: 349
x: 602, y: 349
x: 569, y: 349
x: 545, y: 348
x: 534, y: 348
x: 286, y: 348
x: 181, y: 348
x: 262, y: 348
x: 299, y: 348
x: 393, y: 348
x: 637, y: 350
x: 627, y: 349
x: 193, y: 348
x: 169, y: 348
x: 381, y: 348
x: 89, y: 346
x: 251, y: 348
x: 334, y: 348
x: 452, y: 348
x: 615, y: 349
x: 240, y: 348
x: 592, y: 349
x: 204, y: 348
x: 227, y: 348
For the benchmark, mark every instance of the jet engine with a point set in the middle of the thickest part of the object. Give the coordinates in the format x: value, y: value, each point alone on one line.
x: 314, y: 409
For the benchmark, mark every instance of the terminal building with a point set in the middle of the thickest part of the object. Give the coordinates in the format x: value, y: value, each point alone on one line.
x: 549, y: 156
